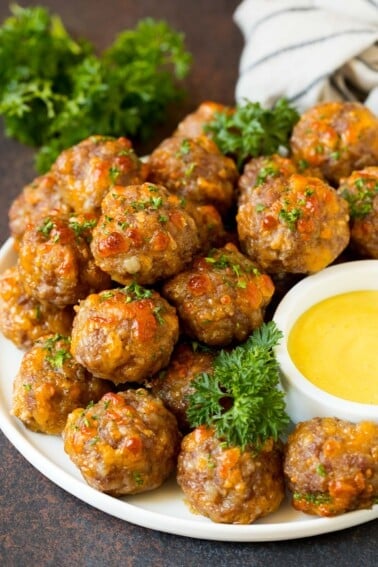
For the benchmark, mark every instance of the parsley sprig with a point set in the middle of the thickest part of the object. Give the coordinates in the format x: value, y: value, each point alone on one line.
x: 252, y: 130
x: 240, y: 399
x: 55, y: 91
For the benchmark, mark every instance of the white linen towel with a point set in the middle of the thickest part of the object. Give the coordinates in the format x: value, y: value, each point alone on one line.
x: 308, y: 51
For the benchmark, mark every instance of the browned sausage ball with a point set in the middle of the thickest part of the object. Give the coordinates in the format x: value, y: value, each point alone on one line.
x: 221, y: 298
x: 35, y: 201
x: 124, y: 334
x: 55, y: 262
x: 125, y: 444
x: 337, y: 138
x: 193, y: 124
x: 173, y: 384
x: 270, y: 171
x: 195, y: 169
x: 331, y: 466
x: 23, y: 319
x: 361, y: 192
x: 226, y: 484
x: 144, y: 233
x: 210, y: 227
x: 88, y: 170
x: 50, y: 384
x: 298, y: 226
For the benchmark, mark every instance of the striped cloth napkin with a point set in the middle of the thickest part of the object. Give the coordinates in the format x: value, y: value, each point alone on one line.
x: 308, y: 51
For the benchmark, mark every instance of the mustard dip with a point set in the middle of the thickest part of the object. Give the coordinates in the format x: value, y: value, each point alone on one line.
x: 335, y: 346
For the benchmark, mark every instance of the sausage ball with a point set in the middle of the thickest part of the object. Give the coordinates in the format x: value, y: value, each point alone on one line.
x: 55, y: 262
x: 195, y: 169
x: 23, y: 319
x: 173, y: 384
x: 144, y: 233
x: 336, y: 138
x: 361, y: 192
x: 125, y: 334
x: 85, y: 172
x: 221, y: 298
x: 36, y: 201
x: 331, y: 466
x: 210, y: 227
x: 270, y: 171
x: 227, y: 484
x: 298, y: 226
x: 50, y: 384
x: 193, y: 125
x: 125, y: 444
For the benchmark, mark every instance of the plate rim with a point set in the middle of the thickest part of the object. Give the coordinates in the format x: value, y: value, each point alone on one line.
x: 199, y: 527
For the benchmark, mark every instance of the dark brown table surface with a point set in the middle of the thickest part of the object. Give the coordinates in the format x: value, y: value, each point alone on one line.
x: 41, y: 524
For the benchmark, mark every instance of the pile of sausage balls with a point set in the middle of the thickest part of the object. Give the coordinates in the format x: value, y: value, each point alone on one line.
x: 132, y: 274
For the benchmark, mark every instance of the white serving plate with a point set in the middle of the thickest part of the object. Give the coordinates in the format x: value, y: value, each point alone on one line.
x: 163, y: 509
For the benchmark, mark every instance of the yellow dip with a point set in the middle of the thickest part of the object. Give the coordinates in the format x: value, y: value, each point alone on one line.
x: 335, y: 345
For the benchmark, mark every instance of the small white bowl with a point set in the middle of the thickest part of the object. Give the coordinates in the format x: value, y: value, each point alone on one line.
x: 304, y: 400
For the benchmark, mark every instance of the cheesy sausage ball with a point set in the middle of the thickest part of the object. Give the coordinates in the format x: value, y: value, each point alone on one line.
x: 144, y: 233
x: 85, y: 172
x: 336, y: 138
x: 227, y: 484
x: 270, y: 171
x: 361, y: 192
x: 125, y: 334
x: 298, y: 226
x: 23, y: 319
x: 55, y: 262
x: 173, y: 384
x: 35, y: 201
x: 195, y: 169
x: 50, y: 384
x: 331, y: 466
x: 125, y: 444
x: 221, y: 298
x: 210, y: 228
x: 193, y: 125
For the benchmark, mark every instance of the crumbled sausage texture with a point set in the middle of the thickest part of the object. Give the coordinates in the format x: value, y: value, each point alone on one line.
x: 173, y: 385
x: 124, y: 335
x: 144, y: 233
x: 297, y: 225
x: 55, y: 262
x: 88, y: 170
x: 221, y: 298
x: 50, y: 384
x: 226, y: 484
x: 36, y: 201
x: 23, y: 319
x: 195, y: 169
x: 361, y: 192
x: 336, y: 138
x: 193, y: 124
x: 125, y: 444
x: 331, y: 466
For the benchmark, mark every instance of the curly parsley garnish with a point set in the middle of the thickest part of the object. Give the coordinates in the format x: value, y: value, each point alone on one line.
x: 253, y: 131
x: 240, y: 398
x: 52, y: 86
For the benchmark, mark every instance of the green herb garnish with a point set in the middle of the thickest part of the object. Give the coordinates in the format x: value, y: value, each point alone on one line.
x: 253, y: 131
x: 56, y: 357
x: 135, y: 291
x: 313, y: 498
x: 240, y: 398
x: 361, y: 201
x: 55, y: 91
